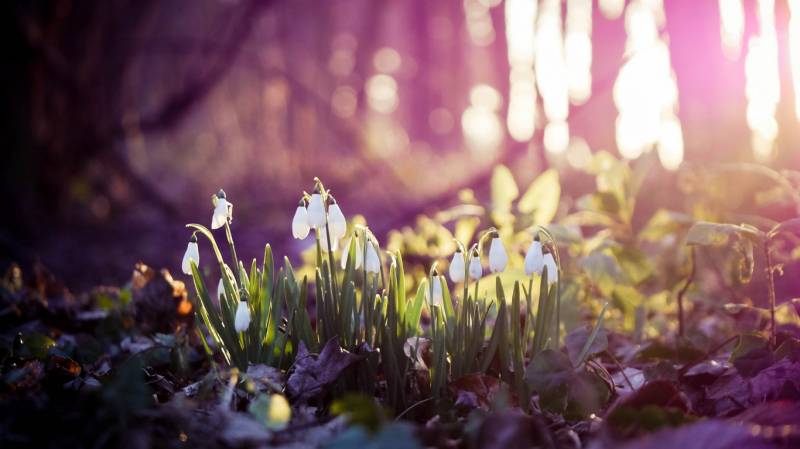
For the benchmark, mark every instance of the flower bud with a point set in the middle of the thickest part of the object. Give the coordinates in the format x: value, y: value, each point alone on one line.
x: 346, y: 254
x: 373, y: 262
x: 300, y: 227
x: 242, y: 320
x: 192, y: 253
x: 475, y: 268
x: 551, y: 267
x: 222, y: 211
x: 220, y: 290
x: 498, y: 259
x: 336, y: 221
x: 534, y: 259
x: 438, y: 297
x: 457, y: 267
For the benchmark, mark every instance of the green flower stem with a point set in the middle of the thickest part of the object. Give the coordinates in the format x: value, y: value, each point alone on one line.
x: 331, y: 265
x: 229, y: 236
x: 771, y: 291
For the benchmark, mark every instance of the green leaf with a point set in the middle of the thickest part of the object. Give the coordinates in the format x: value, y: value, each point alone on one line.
x: 718, y: 234
x: 504, y: 190
x: 627, y: 299
x: 603, y: 270
x: 634, y: 263
x: 36, y: 345
x: 751, y: 355
x: 273, y: 411
x: 664, y: 223
x: 542, y: 198
x: 360, y: 410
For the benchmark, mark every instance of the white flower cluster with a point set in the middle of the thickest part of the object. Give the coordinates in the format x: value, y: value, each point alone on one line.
x: 537, y: 259
x: 321, y: 211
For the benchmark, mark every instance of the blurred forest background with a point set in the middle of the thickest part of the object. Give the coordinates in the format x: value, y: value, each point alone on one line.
x: 122, y: 117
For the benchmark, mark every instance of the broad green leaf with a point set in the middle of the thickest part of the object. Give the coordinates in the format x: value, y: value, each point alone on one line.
x: 627, y: 299
x: 634, y: 263
x: 603, y: 269
x: 718, y: 234
x: 504, y: 190
x: 542, y: 197
x: 663, y: 223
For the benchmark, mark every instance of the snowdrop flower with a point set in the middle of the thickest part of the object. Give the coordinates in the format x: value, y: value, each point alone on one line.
x: 498, y: 259
x: 316, y: 211
x: 438, y: 297
x: 534, y: 259
x: 220, y: 289
x: 323, y: 240
x: 300, y: 227
x: 457, y: 267
x: 475, y: 268
x: 242, y: 320
x: 336, y: 221
x: 373, y: 262
x: 192, y: 254
x: 552, y: 269
x: 222, y: 211
x: 346, y: 253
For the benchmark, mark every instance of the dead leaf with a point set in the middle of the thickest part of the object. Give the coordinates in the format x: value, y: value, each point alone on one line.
x: 312, y: 373
x: 474, y: 390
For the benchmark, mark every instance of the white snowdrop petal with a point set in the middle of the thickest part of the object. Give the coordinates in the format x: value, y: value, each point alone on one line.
x: 346, y: 254
x: 498, y: 259
x: 221, y: 214
x: 373, y: 262
x: 300, y: 227
x: 316, y: 211
x: 323, y: 240
x: 475, y: 268
x: 336, y: 221
x: 457, y: 267
x: 438, y: 297
x: 192, y: 253
x: 552, y: 268
x: 220, y: 289
x: 534, y: 260
x: 242, y: 319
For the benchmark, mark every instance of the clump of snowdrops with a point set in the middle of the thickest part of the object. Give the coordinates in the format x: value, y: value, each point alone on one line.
x: 360, y: 293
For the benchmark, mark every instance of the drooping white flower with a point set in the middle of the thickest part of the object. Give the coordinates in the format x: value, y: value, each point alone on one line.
x: 336, y: 221
x: 373, y: 262
x: 220, y: 289
x: 192, y: 253
x: 222, y: 211
x: 316, y: 211
x: 300, y: 227
x: 457, y: 267
x: 534, y: 259
x: 475, y: 268
x: 438, y: 297
x: 346, y: 254
x: 552, y: 268
x: 242, y: 320
x: 498, y: 259
x: 323, y: 240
